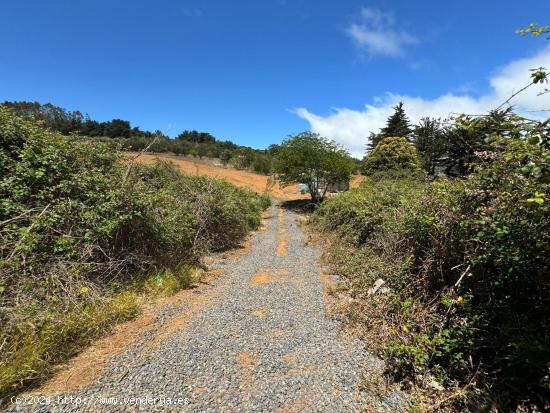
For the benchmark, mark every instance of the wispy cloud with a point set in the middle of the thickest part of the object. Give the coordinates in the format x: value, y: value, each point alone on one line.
x: 419, y: 64
x: 375, y: 32
x: 193, y: 12
x: 351, y: 127
x: 171, y: 126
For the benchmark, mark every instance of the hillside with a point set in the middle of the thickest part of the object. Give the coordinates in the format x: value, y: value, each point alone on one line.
x: 244, y: 179
x: 132, y: 138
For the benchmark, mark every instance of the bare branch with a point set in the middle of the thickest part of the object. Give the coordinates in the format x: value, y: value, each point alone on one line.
x: 26, y: 233
x: 515, y: 94
x: 133, y: 160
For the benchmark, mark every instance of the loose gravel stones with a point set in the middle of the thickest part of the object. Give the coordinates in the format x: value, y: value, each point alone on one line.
x: 264, y: 344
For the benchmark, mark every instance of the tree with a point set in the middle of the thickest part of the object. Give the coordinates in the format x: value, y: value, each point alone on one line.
x: 117, y: 128
x: 261, y: 164
x: 373, y: 140
x: 313, y: 160
x: 244, y: 158
x: 398, y: 124
x: 91, y: 128
x: 429, y: 139
x: 392, y: 153
x: 180, y: 147
x: 226, y: 156
x: 202, y: 151
x: 50, y: 116
x: 272, y: 149
x: 467, y: 139
x: 196, y: 137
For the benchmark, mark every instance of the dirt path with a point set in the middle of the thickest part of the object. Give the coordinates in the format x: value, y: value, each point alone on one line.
x: 245, y: 179
x: 256, y: 339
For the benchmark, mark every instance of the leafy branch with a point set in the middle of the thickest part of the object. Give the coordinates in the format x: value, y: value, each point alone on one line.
x: 534, y: 30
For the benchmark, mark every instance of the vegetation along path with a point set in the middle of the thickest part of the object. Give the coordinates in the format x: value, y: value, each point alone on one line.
x: 261, y: 341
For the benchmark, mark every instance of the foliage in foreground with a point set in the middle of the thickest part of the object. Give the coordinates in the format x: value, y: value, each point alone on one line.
x: 466, y: 267
x: 81, y: 240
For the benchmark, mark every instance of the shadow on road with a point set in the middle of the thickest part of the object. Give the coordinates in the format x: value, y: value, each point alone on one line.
x: 299, y: 205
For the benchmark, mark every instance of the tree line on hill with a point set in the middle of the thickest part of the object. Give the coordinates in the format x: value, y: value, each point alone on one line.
x: 189, y: 142
x: 69, y: 122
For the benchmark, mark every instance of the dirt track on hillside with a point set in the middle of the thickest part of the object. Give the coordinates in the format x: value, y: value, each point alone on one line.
x: 254, y: 182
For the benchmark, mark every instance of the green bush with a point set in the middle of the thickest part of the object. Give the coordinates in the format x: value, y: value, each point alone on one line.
x: 78, y: 226
x: 261, y: 164
x: 357, y: 214
x: 392, y: 153
x: 466, y: 263
x: 506, y: 217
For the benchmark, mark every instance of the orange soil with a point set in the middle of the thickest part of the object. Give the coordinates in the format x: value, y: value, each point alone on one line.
x: 268, y: 276
x: 246, y: 360
x: 260, y: 312
x: 86, y: 367
x: 263, y: 278
x: 255, y: 182
x: 356, y: 180
x: 281, y: 234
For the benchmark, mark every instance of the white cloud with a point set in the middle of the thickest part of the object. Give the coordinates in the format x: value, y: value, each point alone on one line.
x: 375, y: 33
x: 352, y: 127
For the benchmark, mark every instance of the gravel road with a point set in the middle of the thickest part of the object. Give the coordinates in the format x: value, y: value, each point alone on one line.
x: 262, y: 342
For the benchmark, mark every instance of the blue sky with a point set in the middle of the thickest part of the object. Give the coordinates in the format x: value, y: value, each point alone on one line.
x: 255, y: 71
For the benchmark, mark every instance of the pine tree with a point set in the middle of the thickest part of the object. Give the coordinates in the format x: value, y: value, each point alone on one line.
x: 373, y: 140
x: 431, y: 143
x: 397, y: 125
